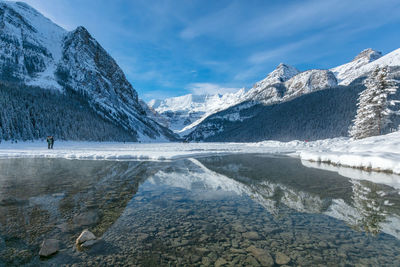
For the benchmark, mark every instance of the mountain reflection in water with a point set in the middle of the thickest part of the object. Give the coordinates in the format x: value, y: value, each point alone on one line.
x: 208, y: 210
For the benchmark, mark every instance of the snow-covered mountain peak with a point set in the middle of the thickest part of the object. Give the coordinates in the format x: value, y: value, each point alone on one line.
x: 345, y: 73
x: 282, y: 73
x: 368, y: 55
x: 270, y: 89
x: 194, y: 103
x: 364, y: 63
x: 184, y: 112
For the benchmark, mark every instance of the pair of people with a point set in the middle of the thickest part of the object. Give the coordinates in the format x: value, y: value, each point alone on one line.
x: 50, y: 141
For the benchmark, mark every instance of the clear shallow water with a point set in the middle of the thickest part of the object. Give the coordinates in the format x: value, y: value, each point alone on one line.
x: 239, y: 210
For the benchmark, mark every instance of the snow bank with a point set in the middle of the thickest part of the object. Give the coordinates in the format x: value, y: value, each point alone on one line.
x: 376, y: 153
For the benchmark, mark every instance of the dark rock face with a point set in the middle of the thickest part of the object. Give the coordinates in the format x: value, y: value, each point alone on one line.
x: 91, y: 70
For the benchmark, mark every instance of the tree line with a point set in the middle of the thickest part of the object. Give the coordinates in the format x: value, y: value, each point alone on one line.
x: 31, y: 113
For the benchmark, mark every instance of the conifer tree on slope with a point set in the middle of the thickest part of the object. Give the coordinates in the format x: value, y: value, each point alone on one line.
x: 373, y: 105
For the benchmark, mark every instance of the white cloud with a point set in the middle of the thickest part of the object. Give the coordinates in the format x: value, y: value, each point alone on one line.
x: 210, y: 89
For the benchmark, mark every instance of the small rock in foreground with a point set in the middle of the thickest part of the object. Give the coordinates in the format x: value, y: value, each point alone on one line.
x: 49, y: 247
x: 85, y: 236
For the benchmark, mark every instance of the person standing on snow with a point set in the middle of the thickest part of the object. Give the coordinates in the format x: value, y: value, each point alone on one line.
x: 48, y: 139
x: 51, y: 142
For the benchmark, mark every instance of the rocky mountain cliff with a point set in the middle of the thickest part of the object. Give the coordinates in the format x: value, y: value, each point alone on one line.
x: 36, y: 52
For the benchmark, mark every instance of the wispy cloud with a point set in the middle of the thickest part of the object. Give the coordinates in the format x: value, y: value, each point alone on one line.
x: 210, y: 89
x: 244, y: 25
x: 212, y: 22
x: 276, y: 53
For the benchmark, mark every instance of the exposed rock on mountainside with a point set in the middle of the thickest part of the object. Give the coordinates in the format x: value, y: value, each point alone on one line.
x: 308, y: 82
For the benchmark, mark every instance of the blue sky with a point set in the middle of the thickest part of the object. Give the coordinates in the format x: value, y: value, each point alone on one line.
x: 174, y: 47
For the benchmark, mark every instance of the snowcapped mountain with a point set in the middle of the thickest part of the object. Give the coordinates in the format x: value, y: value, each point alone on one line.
x: 185, y: 112
x: 281, y: 100
x: 37, y: 52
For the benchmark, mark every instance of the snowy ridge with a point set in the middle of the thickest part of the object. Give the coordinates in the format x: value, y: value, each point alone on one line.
x: 346, y: 71
x: 184, y: 112
x: 286, y: 83
x: 362, y: 66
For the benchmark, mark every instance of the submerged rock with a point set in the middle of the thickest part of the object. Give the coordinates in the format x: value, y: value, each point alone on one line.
x: 261, y: 255
x: 251, y: 235
x: 239, y: 228
x: 49, y: 247
x: 281, y: 258
x: 86, y: 238
x: 87, y: 218
x: 220, y: 262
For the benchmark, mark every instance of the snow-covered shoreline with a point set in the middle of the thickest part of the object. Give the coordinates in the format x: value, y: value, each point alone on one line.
x: 126, y: 151
x: 380, y: 153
